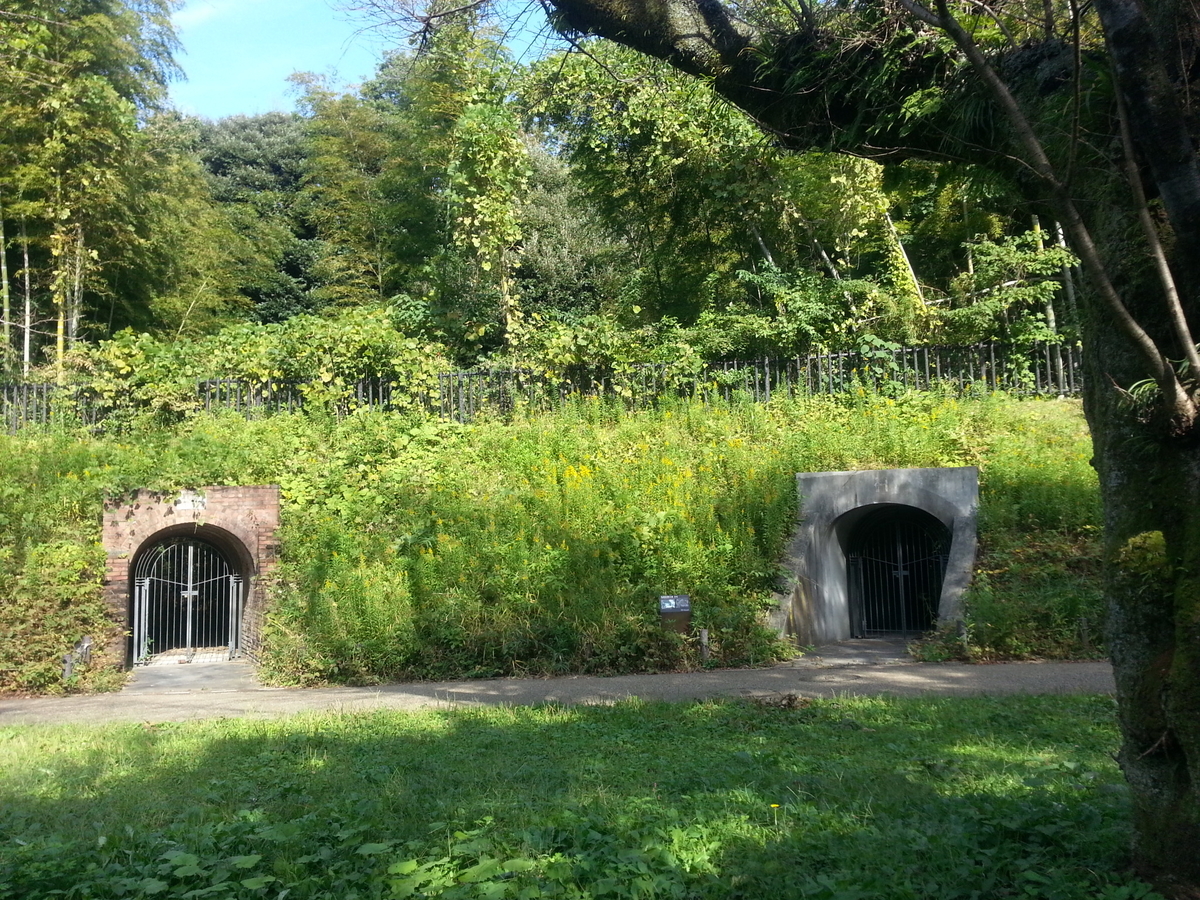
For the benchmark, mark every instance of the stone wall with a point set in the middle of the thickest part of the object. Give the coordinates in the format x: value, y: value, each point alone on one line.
x: 240, y: 521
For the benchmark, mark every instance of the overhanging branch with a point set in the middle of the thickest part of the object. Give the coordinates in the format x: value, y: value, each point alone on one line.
x: 1180, y: 403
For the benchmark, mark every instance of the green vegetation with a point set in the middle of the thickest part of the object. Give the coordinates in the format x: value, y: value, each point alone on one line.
x: 414, y: 548
x: 460, y: 208
x: 592, y: 207
x: 963, y: 798
x: 1037, y: 585
x: 497, y: 210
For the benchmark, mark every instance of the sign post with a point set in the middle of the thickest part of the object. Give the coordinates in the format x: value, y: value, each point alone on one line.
x: 675, y: 612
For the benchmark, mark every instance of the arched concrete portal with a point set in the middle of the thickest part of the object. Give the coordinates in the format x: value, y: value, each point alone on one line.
x: 238, y: 523
x: 817, y: 606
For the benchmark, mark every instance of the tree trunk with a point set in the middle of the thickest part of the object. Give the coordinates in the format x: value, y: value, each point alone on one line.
x: 5, y: 297
x: 60, y: 245
x: 27, y: 323
x: 1151, y: 494
x: 762, y: 245
x: 1068, y: 282
x: 78, y: 277
x: 1051, y: 317
x: 60, y: 341
x: 908, y: 266
x: 1149, y: 477
x: 1143, y: 52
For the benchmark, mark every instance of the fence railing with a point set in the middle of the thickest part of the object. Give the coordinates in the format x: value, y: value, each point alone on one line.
x: 40, y: 404
x: 462, y: 396
x: 1044, y: 370
x: 249, y: 396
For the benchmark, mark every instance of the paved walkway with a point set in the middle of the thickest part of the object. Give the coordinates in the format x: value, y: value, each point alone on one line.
x: 201, y: 691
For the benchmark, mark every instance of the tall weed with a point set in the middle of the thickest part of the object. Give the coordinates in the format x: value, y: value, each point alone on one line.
x: 538, y: 546
x: 1037, y: 589
x: 541, y: 546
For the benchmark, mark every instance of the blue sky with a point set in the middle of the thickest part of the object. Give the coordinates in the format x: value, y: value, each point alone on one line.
x: 237, y: 54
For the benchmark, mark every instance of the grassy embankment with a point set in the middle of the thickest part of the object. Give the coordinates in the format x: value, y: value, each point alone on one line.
x: 422, y: 549
x: 850, y: 798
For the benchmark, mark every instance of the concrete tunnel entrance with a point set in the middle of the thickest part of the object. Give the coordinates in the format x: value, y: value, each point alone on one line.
x: 879, y: 552
x: 895, y: 565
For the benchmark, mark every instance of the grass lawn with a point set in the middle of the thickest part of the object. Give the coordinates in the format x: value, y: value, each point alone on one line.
x: 848, y: 798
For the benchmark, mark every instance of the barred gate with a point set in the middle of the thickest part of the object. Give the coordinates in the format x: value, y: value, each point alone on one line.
x: 896, y: 563
x: 186, y: 598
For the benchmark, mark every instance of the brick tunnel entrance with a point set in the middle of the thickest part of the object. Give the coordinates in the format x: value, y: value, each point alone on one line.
x: 189, y: 573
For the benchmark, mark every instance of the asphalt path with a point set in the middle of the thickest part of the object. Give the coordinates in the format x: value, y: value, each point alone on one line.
x: 230, y: 689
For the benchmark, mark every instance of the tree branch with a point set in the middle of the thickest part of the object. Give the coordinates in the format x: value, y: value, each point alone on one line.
x: 921, y: 12
x: 1174, y: 306
x: 802, y: 16
x: 1048, y: 18
x: 1004, y: 29
x: 1180, y: 403
x: 28, y: 17
x: 1077, y: 92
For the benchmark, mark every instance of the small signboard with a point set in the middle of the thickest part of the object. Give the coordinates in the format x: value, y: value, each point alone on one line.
x: 674, y: 603
x: 191, y: 500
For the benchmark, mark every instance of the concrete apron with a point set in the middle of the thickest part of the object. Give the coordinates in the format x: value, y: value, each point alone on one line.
x: 239, y: 675
x: 185, y: 678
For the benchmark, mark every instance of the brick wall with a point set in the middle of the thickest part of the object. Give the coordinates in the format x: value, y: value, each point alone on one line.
x: 241, y: 521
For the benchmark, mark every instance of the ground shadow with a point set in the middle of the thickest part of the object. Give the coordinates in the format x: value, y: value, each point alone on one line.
x: 715, y: 799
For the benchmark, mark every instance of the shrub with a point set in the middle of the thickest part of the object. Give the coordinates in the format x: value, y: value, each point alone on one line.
x: 52, y: 601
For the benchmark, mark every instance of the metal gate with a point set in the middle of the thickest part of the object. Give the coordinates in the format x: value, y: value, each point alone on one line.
x: 896, y: 563
x: 186, y: 598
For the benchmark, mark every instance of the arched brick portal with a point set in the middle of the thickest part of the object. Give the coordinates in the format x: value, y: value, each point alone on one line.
x: 240, y: 521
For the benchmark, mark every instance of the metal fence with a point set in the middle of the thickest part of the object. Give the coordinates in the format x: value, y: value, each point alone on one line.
x: 40, y: 404
x: 1054, y: 370
x: 26, y: 404
x: 1043, y: 370
x: 249, y: 396
x: 463, y: 396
